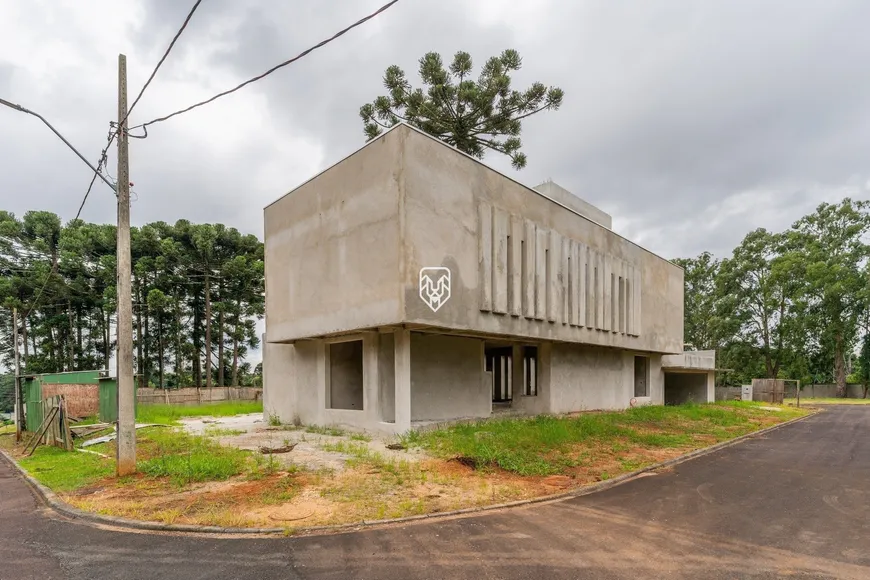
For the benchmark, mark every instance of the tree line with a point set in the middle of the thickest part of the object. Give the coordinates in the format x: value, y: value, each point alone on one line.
x: 198, y: 291
x: 791, y: 305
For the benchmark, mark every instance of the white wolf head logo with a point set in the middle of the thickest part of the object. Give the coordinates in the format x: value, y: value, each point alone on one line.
x: 435, y: 286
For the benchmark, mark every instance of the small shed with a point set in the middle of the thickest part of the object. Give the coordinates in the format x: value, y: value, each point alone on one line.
x: 79, y: 389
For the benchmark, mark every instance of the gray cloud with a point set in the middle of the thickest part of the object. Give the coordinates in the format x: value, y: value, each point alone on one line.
x: 671, y: 107
x: 691, y: 122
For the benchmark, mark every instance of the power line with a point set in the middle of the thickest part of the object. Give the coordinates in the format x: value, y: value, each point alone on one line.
x: 270, y: 71
x: 163, y: 58
x: 113, y: 134
x: 100, y: 164
x: 62, y: 138
x: 82, y: 157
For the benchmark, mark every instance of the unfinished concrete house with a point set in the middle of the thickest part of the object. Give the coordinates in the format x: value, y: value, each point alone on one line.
x: 410, y: 283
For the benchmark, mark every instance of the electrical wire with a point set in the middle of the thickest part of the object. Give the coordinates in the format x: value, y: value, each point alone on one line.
x: 271, y: 70
x: 163, y: 58
x: 113, y: 134
x: 100, y: 165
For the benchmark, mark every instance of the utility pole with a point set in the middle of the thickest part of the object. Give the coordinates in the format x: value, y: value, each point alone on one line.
x: 126, y: 458
x: 18, y: 409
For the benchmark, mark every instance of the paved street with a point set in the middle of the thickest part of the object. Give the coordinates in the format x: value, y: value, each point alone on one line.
x: 792, y: 504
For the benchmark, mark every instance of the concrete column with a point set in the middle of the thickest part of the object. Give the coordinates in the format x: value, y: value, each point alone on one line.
x: 321, y: 361
x: 546, y: 399
x: 711, y: 386
x: 518, y: 377
x: 403, y: 380
x: 371, y: 379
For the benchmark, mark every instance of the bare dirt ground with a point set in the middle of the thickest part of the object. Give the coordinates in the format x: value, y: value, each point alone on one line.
x: 331, y: 477
x: 335, y: 478
x: 313, y: 450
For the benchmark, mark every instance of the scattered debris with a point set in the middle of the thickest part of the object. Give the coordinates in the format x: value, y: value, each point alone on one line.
x: 98, y: 440
x: 284, y: 449
x: 85, y: 430
x: 103, y: 455
x: 112, y: 436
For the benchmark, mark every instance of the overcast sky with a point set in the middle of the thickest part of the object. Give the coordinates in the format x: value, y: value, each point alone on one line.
x: 692, y: 122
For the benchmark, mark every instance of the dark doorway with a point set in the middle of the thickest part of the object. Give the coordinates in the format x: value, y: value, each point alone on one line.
x: 641, y: 376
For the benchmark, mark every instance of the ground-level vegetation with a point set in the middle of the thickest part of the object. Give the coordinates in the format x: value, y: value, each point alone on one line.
x: 205, y: 478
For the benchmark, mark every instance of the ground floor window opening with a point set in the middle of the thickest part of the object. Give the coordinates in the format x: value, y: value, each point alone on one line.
x: 530, y: 371
x: 345, y: 380
x: 499, y: 361
x: 500, y: 369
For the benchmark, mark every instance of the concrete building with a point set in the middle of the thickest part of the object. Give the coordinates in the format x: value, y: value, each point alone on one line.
x: 410, y: 283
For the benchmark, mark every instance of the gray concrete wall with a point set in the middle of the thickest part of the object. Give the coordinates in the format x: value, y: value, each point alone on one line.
x: 693, y: 359
x: 686, y: 388
x: 447, y: 378
x: 387, y: 376
x: 542, y: 401
x: 332, y: 248
x: 299, y: 380
x: 458, y: 214
x: 279, y: 381
x: 561, y: 195
x: 309, y: 396
x: 587, y: 378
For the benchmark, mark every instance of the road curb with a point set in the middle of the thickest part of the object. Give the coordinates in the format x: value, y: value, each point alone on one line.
x: 51, y: 500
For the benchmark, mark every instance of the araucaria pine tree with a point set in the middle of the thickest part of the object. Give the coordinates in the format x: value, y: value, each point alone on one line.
x: 473, y: 116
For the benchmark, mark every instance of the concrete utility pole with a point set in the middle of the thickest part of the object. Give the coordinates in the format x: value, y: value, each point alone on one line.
x: 18, y: 409
x: 126, y: 458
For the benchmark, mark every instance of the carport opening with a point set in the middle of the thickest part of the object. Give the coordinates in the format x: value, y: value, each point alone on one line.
x: 346, y: 375
x: 681, y: 388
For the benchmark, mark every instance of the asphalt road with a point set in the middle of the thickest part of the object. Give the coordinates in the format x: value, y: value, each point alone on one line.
x: 791, y: 504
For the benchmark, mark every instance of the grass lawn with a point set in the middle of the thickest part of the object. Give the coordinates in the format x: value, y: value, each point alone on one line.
x: 549, y: 445
x: 170, y: 414
x: 193, y: 479
x: 828, y: 401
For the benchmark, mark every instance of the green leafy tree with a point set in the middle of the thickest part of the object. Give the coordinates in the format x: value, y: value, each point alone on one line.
x: 830, y: 246
x: 864, y: 364
x: 61, y: 278
x: 759, y: 288
x: 472, y: 115
x: 701, y: 320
